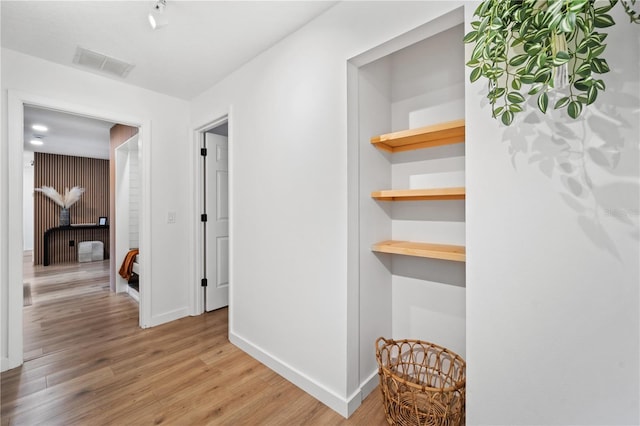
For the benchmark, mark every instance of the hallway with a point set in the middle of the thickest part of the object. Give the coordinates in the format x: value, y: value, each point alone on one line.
x: 88, y: 362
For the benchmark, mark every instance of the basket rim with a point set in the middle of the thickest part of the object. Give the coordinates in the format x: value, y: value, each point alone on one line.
x: 458, y: 385
x: 388, y: 342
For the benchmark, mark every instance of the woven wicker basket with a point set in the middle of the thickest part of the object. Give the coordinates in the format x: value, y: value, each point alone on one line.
x: 422, y: 383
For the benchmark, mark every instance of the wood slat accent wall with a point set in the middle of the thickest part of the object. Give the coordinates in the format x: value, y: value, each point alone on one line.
x: 60, y: 171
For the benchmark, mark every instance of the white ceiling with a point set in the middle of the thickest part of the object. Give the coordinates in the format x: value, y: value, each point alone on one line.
x: 203, y: 43
x: 67, y: 134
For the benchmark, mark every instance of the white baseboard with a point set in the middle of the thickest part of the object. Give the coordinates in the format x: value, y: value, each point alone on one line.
x: 343, y: 406
x: 8, y: 364
x: 169, y: 316
x: 369, y: 384
x: 133, y: 294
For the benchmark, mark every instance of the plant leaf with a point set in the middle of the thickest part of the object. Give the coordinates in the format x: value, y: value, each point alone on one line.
x: 599, y: 65
x: 483, y: 24
x: 553, y: 24
x: 562, y: 102
x: 516, y: 84
x: 584, y: 70
x: 603, y: 21
x: 496, y: 23
x: 604, y: 9
x: 577, y: 5
x: 482, y: 8
x: 580, y: 22
x: 518, y: 60
x: 470, y: 36
x: 543, y: 102
x: 531, y: 64
x: 561, y: 57
x: 541, y: 59
x: 582, y: 85
x: 515, y: 97
x: 535, y: 89
x: 574, y: 109
x: 477, y: 51
x: 533, y: 49
x: 568, y: 23
x: 583, y: 47
x: 543, y: 75
x: 554, y: 7
x: 473, y: 63
x: 515, y: 108
x: 592, y: 94
x: 596, y: 51
x: 507, y: 118
x: 528, y: 78
x: 475, y: 74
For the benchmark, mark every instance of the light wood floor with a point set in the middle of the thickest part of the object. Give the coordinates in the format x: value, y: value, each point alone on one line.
x: 88, y: 363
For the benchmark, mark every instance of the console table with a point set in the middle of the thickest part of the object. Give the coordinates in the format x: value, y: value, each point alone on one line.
x: 51, y: 231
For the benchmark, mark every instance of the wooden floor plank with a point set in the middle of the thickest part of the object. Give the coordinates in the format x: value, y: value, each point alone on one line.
x: 88, y: 363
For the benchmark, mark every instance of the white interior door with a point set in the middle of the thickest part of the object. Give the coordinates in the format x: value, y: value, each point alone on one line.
x: 217, y: 223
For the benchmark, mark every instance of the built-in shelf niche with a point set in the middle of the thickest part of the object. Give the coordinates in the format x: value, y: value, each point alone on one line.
x: 410, y: 207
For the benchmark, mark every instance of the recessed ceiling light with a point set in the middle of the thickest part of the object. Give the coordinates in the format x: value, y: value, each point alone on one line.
x: 36, y: 142
x: 39, y: 128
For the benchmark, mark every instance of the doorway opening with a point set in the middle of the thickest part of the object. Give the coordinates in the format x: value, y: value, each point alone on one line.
x: 16, y: 104
x: 66, y: 262
x: 127, y: 217
x: 213, y: 232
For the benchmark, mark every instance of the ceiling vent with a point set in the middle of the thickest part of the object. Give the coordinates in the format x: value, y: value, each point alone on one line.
x: 101, y: 63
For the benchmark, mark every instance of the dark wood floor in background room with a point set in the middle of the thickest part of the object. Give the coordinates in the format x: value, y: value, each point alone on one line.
x: 88, y: 363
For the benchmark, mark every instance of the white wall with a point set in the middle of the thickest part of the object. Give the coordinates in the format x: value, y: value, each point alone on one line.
x: 127, y: 199
x: 553, y: 255
x: 288, y: 131
x: 27, y: 198
x: 134, y: 196
x: 374, y: 118
x: 169, y: 119
x: 428, y: 81
x: 122, y: 158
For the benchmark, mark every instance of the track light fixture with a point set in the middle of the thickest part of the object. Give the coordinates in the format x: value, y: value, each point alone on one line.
x: 157, y: 18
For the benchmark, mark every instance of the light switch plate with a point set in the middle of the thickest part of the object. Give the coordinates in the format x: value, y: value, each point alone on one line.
x: 171, y: 217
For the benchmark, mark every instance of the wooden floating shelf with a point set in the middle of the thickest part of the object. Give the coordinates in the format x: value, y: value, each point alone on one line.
x: 424, y: 137
x: 420, y: 194
x: 433, y: 251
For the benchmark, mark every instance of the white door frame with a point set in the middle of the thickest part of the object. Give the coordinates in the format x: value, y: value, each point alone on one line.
x: 122, y: 160
x: 197, y: 299
x: 15, y: 124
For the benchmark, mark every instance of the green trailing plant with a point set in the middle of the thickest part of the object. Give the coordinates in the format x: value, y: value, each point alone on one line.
x: 529, y: 47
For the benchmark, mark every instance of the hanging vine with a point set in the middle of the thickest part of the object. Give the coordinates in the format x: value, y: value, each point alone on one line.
x: 529, y: 47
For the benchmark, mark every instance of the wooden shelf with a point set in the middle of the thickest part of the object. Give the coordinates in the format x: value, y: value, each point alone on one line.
x: 420, y: 194
x: 433, y: 251
x: 424, y: 137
